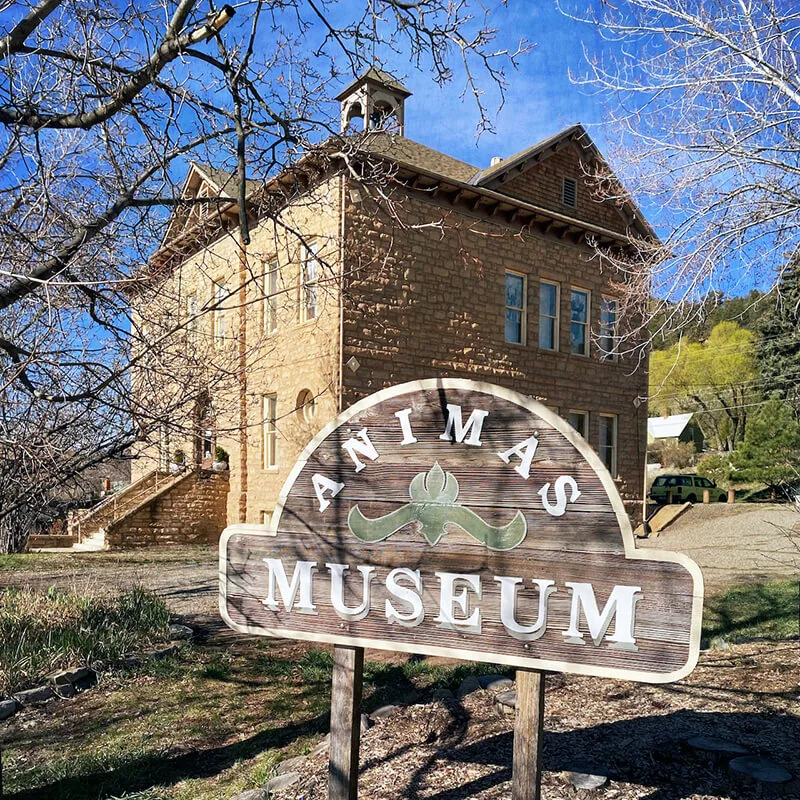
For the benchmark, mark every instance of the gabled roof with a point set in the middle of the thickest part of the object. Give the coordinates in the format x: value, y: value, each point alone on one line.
x: 374, y: 75
x: 224, y: 182
x: 526, y: 159
x: 667, y: 427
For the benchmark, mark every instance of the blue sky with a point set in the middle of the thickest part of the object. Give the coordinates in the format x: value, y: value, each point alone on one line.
x: 540, y: 100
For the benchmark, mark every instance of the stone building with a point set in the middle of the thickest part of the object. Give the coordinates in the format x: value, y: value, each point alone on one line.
x: 373, y: 261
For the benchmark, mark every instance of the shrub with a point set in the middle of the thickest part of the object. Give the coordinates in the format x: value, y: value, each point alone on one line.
x: 717, y: 468
x: 41, y: 632
x: 221, y: 455
x: 672, y: 453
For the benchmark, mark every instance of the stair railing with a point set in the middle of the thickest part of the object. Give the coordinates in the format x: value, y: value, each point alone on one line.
x: 113, y: 501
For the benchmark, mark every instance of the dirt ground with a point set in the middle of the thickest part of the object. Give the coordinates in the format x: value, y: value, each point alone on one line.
x: 736, y: 543
x: 634, y: 734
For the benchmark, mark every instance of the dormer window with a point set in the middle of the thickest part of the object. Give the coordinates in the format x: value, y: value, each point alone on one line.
x: 569, y: 192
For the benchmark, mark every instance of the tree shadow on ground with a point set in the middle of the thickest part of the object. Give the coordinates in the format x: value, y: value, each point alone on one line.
x: 144, y: 773
x: 648, y: 751
x: 160, y: 770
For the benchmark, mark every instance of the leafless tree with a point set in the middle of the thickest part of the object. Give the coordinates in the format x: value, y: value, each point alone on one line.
x: 102, y: 104
x: 703, y: 104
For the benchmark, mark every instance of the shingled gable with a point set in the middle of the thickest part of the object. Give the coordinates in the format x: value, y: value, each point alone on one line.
x: 533, y: 175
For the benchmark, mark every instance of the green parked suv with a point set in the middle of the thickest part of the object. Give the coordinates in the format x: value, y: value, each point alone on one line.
x: 685, y: 487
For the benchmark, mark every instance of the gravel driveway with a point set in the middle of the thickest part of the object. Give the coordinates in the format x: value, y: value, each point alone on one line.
x: 736, y: 543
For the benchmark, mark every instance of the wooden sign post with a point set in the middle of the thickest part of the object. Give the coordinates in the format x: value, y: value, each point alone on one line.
x: 454, y: 518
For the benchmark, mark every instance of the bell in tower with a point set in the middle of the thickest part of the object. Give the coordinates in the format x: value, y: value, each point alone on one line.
x: 377, y: 100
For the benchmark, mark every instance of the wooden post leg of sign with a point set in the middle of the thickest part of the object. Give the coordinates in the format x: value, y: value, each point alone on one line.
x: 526, y: 777
x: 348, y: 671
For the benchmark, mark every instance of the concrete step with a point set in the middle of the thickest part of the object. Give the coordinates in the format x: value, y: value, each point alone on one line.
x: 91, y: 544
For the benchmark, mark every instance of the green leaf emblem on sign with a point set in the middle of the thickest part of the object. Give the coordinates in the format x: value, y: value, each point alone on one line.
x: 433, y: 506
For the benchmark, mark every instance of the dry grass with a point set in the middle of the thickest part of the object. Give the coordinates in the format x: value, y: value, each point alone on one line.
x: 43, y: 631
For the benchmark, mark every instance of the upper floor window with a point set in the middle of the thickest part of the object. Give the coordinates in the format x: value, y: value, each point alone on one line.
x: 579, y: 322
x: 580, y: 421
x: 271, y: 297
x: 220, y: 294
x: 608, y: 442
x: 569, y: 192
x: 309, y: 280
x: 269, y: 442
x: 191, y: 318
x: 515, y: 308
x: 548, y: 315
x: 608, y: 329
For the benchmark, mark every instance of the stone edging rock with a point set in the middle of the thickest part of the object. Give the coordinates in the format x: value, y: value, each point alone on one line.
x: 66, y: 683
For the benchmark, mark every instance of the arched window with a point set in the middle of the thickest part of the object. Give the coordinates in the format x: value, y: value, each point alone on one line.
x: 306, y: 405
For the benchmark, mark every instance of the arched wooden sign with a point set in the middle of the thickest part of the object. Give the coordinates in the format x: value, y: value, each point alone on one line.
x: 456, y: 518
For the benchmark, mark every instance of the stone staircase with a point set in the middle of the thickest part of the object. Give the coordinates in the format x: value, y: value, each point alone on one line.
x: 89, y: 529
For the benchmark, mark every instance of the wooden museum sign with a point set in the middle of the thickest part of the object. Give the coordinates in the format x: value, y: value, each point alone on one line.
x: 455, y: 518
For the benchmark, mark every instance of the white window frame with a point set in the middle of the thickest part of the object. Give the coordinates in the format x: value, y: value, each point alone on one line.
x: 523, y: 310
x: 309, y: 288
x: 164, y: 441
x: 271, y: 296
x: 220, y: 294
x: 269, y: 431
x: 192, y: 318
x: 608, y: 332
x: 567, y: 179
x: 586, y: 324
x: 585, y: 416
x: 613, y: 467
x: 556, y: 319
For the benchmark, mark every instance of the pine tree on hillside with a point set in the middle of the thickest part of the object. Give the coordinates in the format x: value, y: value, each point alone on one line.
x: 779, y: 339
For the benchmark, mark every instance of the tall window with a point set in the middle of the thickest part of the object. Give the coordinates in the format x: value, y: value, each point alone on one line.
x: 310, y: 278
x: 608, y: 329
x: 220, y: 293
x: 163, y: 446
x: 579, y: 322
x: 579, y: 421
x: 608, y: 442
x: 515, y: 308
x: 191, y: 318
x: 548, y: 316
x: 270, y: 430
x: 271, y: 297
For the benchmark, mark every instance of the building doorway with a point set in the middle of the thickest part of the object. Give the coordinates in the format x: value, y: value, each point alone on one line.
x: 205, y: 439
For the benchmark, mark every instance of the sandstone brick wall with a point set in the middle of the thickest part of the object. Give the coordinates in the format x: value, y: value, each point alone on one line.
x: 424, y: 298
x: 193, y: 511
x: 431, y: 304
x: 296, y: 355
x: 542, y: 184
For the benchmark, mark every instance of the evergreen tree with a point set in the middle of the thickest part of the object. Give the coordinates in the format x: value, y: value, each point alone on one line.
x: 779, y: 339
x: 771, y: 450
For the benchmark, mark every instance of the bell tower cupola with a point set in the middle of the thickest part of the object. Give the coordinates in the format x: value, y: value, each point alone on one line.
x: 375, y: 99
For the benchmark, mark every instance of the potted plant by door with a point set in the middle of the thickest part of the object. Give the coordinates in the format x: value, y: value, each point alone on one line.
x: 178, y: 460
x: 221, y: 459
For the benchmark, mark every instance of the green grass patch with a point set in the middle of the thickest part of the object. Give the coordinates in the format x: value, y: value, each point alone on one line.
x: 754, y: 611
x: 43, y: 631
